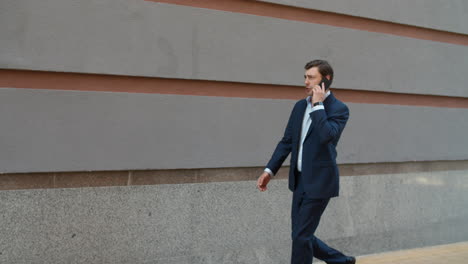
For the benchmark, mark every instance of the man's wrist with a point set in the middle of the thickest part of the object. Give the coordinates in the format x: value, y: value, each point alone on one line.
x: 267, y: 170
x: 317, y: 103
x: 316, y: 100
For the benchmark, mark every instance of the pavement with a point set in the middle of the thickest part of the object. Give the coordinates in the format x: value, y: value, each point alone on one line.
x: 456, y: 253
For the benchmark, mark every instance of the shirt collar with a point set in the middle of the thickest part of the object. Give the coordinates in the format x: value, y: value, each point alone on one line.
x: 326, y: 95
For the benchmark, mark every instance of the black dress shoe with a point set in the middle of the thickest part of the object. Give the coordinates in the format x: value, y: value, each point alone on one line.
x: 350, y: 260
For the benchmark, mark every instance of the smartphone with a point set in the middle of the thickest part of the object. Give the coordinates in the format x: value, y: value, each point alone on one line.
x: 326, y: 82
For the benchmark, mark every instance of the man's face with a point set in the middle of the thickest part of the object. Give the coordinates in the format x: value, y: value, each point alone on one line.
x: 312, y: 77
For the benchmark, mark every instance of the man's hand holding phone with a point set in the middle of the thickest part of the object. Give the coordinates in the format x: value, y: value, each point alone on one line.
x: 319, y: 93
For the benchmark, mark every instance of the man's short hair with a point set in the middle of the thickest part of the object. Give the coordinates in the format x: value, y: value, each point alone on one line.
x: 323, y: 67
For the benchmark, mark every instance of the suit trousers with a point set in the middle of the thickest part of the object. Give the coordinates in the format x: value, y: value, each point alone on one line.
x: 305, y: 217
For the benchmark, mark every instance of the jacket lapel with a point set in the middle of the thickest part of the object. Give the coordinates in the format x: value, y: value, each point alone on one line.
x: 329, y: 100
x: 299, y: 118
x: 311, y: 127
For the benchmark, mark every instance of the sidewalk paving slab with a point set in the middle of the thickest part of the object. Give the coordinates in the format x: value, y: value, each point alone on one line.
x: 456, y: 253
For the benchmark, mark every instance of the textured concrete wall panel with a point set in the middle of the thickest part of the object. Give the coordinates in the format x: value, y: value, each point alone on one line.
x: 226, y: 222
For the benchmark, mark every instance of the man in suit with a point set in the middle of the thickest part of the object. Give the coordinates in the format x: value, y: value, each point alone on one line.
x: 311, y: 136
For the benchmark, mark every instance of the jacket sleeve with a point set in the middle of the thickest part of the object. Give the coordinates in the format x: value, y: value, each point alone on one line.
x: 330, y: 127
x: 283, y: 148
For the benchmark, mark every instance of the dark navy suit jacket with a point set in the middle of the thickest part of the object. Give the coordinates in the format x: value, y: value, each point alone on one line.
x: 320, y: 175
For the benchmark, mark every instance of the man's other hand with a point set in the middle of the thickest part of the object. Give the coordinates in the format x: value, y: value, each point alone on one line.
x: 263, y: 181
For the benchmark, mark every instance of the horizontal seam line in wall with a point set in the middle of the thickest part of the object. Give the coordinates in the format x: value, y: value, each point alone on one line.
x: 45, y: 180
x: 326, y: 18
x: 154, y: 85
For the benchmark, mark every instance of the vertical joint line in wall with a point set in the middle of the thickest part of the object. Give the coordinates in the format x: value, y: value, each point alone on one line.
x: 129, y: 180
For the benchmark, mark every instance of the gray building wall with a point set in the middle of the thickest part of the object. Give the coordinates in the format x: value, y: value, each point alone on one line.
x: 222, y: 222
x: 150, y: 39
x: 446, y: 16
x: 79, y: 131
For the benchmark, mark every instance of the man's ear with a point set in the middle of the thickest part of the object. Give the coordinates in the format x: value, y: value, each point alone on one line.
x: 328, y: 77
